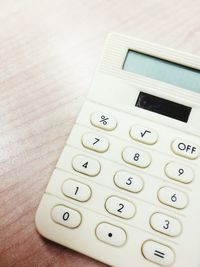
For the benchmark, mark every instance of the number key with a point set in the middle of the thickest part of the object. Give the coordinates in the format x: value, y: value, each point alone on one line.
x: 86, y: 165
x: 165, y: 224
x: 128, y: 181
x: 179, y: 172
x: 76, y: 190
x: 66, y: 216
x: 173, y: 197
x: 136, y: 157
x: 95, y: 142
x: 120, y: 207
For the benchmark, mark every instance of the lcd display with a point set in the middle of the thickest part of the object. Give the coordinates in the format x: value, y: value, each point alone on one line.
x: 163, y: 107
x: 162, y: 70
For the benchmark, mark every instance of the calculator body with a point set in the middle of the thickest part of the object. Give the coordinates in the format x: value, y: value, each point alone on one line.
x: 126, y: 188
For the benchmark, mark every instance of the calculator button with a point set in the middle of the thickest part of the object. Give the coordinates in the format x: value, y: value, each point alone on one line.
x: 95, y: 142
x: 66, y: 216
x: 76, y: 190
x: 136, y: 157
x: 165, y: 224
x: 158, y: 253
x: 179, y: 172
x: 185, y: 149
x: 173, y: 198
x: 128, y: 181
x: 103, y: 121
x: 120, y: 207
x: 111, y: 234
x: 143, y: 134
x: 86, y: 165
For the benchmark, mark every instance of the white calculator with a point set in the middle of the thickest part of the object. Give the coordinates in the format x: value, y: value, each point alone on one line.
x: 126, y: 188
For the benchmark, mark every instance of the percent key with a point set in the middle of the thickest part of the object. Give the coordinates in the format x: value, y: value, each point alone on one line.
x: 103, y: 121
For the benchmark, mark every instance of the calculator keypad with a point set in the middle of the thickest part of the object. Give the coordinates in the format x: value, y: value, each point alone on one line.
x: 158, y: 253
x: 165, y: 224
x: 136, y: 157
x: 86, y: 165
x: 143, y: 134
x: 120, y: 207
x: 130, y: 177
x: 111, y: 234
x: 66, y: 216
x: 76, y: 190
x: 173, y: 197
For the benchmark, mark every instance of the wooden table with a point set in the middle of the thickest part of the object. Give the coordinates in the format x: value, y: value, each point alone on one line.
x: 48, y: 54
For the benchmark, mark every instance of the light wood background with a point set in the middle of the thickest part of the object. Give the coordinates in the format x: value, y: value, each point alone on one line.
x: 48, y: 53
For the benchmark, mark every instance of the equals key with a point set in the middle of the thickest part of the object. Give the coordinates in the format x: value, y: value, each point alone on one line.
x: 158, y: 253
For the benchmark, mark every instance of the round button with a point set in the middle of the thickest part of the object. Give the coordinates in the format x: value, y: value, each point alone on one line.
x: 86, y: 165
x: 103, y: 121
x: 120, y: 207
x: 179, y: 172
x: 66, y: 216
x: 173, y: 197
x: 165, y: 224
x: 128, y: 181
x: 136, y: 157
x: 143, y: 134
x: 111, y: 234
x: 185, y: 149
x: 95, y: 142
x: 76, y: 190
x: 158, y: 253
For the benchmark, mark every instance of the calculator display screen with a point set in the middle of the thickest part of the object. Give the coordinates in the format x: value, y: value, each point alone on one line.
x: 163, y: 106
x: 162, y: 70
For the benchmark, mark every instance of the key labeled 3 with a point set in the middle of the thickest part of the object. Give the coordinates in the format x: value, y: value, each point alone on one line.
x: 95, y: 142
x: 165, y: 224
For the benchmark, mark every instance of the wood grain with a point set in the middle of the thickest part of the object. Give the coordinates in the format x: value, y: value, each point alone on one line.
x: 48, y: 54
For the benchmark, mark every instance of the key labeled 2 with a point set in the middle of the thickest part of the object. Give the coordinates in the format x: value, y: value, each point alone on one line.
x: 165, y: 224
x: 120, y: 207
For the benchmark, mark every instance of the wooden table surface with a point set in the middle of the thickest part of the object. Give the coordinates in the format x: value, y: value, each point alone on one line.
x: 48, y: 53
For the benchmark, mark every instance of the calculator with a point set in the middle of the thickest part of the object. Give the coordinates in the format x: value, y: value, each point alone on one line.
x: 126, y: 188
